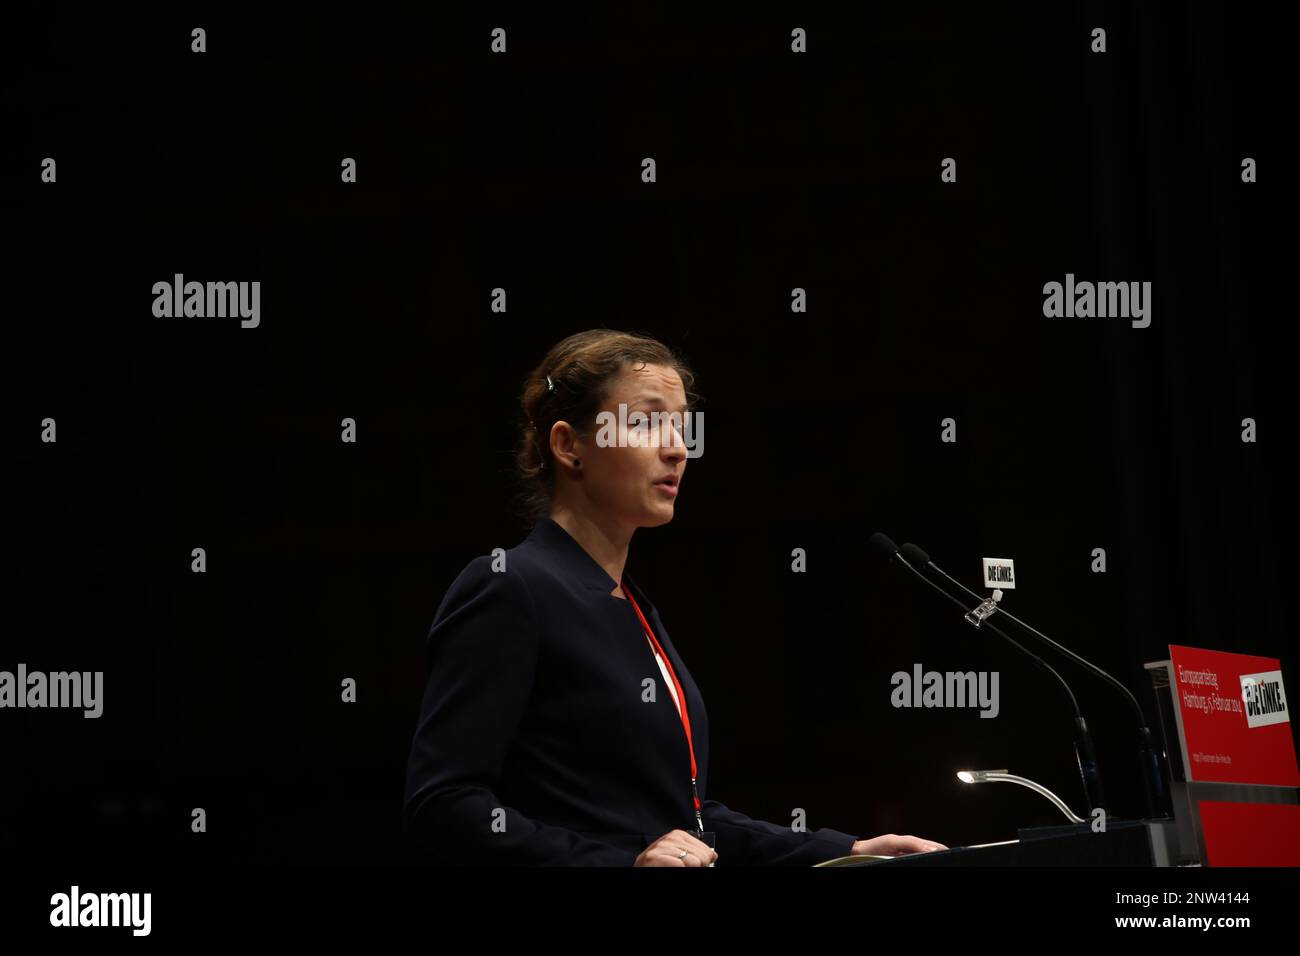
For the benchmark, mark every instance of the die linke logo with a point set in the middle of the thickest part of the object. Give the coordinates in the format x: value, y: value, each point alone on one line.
x: 1264, y: 698
x: 208, y: 300
x: 1000, y: 573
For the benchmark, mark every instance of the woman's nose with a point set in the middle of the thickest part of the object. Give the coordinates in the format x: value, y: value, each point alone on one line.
x: 672, y: 447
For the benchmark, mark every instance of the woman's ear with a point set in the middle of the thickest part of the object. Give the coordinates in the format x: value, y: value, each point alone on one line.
x: 564, y: 444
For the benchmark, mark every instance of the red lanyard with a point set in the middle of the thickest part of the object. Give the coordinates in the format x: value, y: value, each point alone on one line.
x: 681, y: 696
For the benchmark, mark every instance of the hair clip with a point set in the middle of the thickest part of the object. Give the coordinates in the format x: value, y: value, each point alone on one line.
x: 550, y: 386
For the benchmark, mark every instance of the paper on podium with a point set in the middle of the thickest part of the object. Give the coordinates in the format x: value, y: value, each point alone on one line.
x: 845, y: 860
x: 849, y: 860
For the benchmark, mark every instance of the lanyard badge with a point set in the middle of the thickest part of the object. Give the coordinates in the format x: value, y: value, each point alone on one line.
x: 700, y: 832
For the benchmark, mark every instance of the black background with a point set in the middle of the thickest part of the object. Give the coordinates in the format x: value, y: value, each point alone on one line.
x: 775, y: 170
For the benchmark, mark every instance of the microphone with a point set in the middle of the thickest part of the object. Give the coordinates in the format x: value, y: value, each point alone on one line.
x: 1152, y: 779
x: 1084, y: 753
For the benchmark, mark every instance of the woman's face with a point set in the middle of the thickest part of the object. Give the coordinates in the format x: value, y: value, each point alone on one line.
x: 632, y: 470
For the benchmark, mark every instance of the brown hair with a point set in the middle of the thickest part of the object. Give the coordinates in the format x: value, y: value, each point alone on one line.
x: 582, y: 368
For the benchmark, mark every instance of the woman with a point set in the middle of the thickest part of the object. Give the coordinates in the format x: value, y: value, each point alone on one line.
x: 551, y: 730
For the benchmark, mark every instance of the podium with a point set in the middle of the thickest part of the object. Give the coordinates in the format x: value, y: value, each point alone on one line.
x: 1233, y: 784
x: 1229, y: 757
x: 1136, y: 843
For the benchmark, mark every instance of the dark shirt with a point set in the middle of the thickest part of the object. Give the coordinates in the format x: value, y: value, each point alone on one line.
x: 535, y: 744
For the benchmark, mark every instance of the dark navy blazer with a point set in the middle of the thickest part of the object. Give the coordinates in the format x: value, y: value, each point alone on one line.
x: 534, y: 744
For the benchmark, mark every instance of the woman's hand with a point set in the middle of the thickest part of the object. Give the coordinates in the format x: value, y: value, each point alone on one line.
x: 667, y: 851
x: 891, y: 844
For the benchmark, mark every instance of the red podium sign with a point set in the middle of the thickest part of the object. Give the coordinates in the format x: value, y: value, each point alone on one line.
x: 1237, y: 730
x: 1235, y: 718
